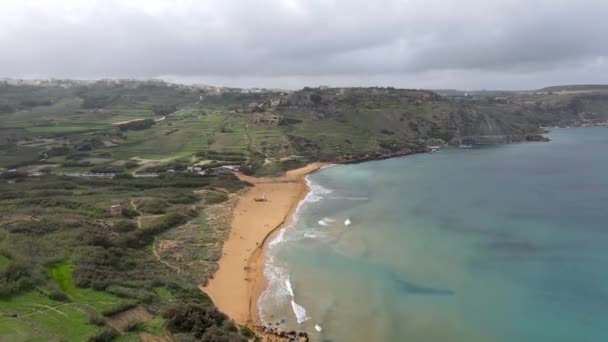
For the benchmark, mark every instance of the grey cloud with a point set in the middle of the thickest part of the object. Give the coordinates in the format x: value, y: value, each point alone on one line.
x: 429, y: 43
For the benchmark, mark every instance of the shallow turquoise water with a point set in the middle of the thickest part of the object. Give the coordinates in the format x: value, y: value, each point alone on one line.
x: 501, y: 243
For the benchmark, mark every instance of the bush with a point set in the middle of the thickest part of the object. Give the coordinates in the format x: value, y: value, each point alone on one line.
x: 13, y: 175
x: 142, y: 237
x: 77, y: 156
x: 58, y: 295
x: 214, y: 197
x: 140, y: 294
x: 165, y: 109
x: 105, y: 335
x: 14, y: 278
x: 95, y: 318
x: 123, y: 176
x: 58, y: 151
x: 292, y: 164
x: 124, y: 226
x: 136, y: 125
x: 118, y: 308
x: 206, y: 323
x: 38, y: 228
x: 93, y: 101
x: 217, y: 334
x: 107, y: 169
x: 152, y: 206
x: 129, y: 212
x: 245, y: 331
x: 76, y: 164
x: 6, y: 109
x: 131, y: 164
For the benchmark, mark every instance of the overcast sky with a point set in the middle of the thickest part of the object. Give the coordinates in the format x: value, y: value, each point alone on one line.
x: 465, y: 44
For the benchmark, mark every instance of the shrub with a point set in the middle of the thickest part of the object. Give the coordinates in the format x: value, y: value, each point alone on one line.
x: 217, y: 334
x: 136, y: 125
x: 129, y: 212
x: 77, y: 155
x: 118, y: 308
x: 95, y: 318
x: 123, y: 176
x: 124, y: 226
x: 142, y: 237
x: 6, y: 109
x: 58, y: 295
x: 165, y: 109
x: 105, y: 335
x: 152, y: 205
x: 14, y: 278
x: 140, y: 294
x: 13, y: 175
x: 213, y: 197
x: 131, y: 164
x: 107, y: 169
x: 76, y: 164
x: 58, y: 151
x: 245, y: 331
x: 206, y: 323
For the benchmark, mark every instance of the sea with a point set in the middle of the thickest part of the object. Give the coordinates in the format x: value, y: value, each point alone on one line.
x: 491, y: 243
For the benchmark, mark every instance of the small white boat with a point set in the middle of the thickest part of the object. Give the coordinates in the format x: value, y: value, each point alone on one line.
x: 465, y: 146
x: 347, y: 222
x: 318, y: 328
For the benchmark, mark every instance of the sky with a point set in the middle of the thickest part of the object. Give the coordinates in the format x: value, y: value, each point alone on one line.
x: 463, y: 44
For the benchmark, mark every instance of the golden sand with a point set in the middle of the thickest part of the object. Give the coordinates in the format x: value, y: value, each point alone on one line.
x: 240, y: 278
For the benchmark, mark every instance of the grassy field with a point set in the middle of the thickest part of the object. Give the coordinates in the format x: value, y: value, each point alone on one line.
x: 32, y: 316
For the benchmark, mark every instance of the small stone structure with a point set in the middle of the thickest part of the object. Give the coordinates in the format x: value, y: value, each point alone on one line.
x: 116, y: 210
x: 265, y: 119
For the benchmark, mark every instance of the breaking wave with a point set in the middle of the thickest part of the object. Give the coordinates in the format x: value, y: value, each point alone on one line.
x: 326, y: 221
x: 299, y: 311
x: 278, y: 287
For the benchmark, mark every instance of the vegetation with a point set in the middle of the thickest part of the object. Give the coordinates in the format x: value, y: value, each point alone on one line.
x: 69, y: 265
x: 67, y: 262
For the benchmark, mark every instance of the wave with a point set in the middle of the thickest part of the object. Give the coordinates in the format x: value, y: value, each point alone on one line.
x: 289, y: 288
x: 315, y: 192
x: 279, y: 288
x: 326, y: 221
x: 299, y: 311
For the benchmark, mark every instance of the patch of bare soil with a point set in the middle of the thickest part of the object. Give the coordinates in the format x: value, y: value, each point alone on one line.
x: 123, y: 319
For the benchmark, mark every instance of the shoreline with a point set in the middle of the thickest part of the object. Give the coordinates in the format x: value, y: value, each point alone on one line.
x: 236, y: 285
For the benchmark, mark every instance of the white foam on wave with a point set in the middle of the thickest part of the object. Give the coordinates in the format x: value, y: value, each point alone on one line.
x: 326, y: 221
x: 278, y: 288
x: 289, y: 288
x: 315, y: 192
x: 299, y: 312
x: 314, y: 235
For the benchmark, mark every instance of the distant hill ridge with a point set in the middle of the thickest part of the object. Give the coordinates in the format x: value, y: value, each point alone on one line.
x: 575, y: 87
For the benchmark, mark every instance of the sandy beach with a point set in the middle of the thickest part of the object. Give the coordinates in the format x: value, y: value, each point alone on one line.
x: 240, y: 277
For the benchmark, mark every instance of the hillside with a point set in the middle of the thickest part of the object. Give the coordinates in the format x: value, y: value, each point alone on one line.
x: 576, y: 88
x: 106, y: 221
x: 79, y: 126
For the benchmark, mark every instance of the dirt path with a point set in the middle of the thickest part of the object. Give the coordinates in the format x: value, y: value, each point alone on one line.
x: 155, y: 252
x: 154, y: 245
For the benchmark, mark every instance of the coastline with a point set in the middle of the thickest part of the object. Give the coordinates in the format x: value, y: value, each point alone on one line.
x: 236, y: 285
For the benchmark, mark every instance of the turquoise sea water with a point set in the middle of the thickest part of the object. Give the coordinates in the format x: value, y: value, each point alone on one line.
x: 500, y: 243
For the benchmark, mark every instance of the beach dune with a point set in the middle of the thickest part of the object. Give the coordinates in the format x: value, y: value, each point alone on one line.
x: 240, y: 278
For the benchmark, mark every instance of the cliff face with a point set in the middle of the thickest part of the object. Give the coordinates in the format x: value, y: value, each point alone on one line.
x: 421, y: 116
